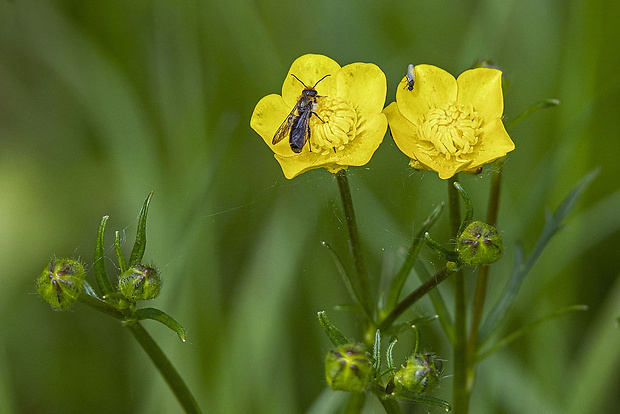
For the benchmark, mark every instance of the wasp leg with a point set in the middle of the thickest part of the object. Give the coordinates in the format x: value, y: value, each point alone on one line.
x: 317, y: 115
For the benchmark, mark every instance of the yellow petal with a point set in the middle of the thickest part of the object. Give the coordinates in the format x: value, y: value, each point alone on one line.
x: 369, y: 137
x: 434, y: 87
x: 482, y: 88
x: 310, y: 69
x: 356, y: 153
x: 495, y: 144
x: 401, y: 130
x: 294, y: 165
x: 267, y: 117
x: 364, y: 84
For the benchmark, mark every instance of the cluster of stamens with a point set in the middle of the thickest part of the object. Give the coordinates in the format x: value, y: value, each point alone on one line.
x: 450, y: 131
x: 336, y: 126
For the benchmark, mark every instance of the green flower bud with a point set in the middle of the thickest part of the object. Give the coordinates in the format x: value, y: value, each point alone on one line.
x: 421, y: 374
x: 348, y: 368
x: 140, y: 282
x: 61, y: 282
x: 479, y: 245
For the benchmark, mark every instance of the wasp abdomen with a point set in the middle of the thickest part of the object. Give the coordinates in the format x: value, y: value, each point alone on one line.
x: 300, y: 131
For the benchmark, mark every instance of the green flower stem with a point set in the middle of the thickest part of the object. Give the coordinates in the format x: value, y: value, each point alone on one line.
x: 163, y: 364
x: 414, y: 296
x: 496, y: 181
x: 100, y: 305
x: 356, y: 403
x: 461, y: 389
x: 363, y: 284
x: 390, y: 405
x: 172, y: 377
x: 483, y: 274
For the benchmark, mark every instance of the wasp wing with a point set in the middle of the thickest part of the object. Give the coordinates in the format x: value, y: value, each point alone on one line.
x: 300, y: 131
x: 285, y: 128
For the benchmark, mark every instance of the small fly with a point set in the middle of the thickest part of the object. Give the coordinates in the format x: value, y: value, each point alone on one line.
x: 296, y: 124
x: 410, y: 77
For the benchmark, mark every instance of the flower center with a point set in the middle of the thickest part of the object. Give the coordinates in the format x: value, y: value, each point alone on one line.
x: 337, y: 125
x: 451, y: 131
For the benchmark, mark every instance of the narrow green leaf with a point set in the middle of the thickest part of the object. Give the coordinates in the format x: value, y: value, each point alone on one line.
x: 528, y: 328
x: 376, y: 353
x: 425, y: 399
x: 388, y: 355
x: 448, y: 255
x: 119, y: 253
x: 332, y: 332
x: 545, y: 103
x: 88, y: 289
x: 417, y: 339
x: 161, y: 317
x: 101, y: 276
x: 401, y: 277
x: 552, y: 225
x: 469, y: 208
x: 438, y: 303
x: 139, y: 246
x: 346, y: 277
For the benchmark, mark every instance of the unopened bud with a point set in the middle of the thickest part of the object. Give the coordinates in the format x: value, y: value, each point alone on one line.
x: 61, y: 282
x: 479, y: 245
x: 421, y: 374
x: 140, y: 282
x: 348, y: 368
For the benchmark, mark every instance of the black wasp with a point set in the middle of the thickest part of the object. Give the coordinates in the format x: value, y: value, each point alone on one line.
x: 410, y: 77
x: 296, y: 123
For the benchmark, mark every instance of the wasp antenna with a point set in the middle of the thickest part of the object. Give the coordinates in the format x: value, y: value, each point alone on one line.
x: 302, y: 82
x: 317, y: 82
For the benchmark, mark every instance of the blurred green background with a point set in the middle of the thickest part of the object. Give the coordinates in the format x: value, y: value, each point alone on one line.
x: 102, y: 102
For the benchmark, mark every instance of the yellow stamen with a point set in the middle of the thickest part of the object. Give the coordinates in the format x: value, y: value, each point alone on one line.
x: 450, y: 131
x: 337, y: 125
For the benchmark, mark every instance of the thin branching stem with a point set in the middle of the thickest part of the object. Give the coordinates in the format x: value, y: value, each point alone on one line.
x: 361, y: 275
x: 165, y: 367
x: 461, y: 389
x: 414, y: 296
x: 483, y: 273
x: 157, y: 356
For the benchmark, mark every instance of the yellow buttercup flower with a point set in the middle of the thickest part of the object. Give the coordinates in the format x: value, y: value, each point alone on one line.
x: 339, y: 125
x: 450, y: 125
